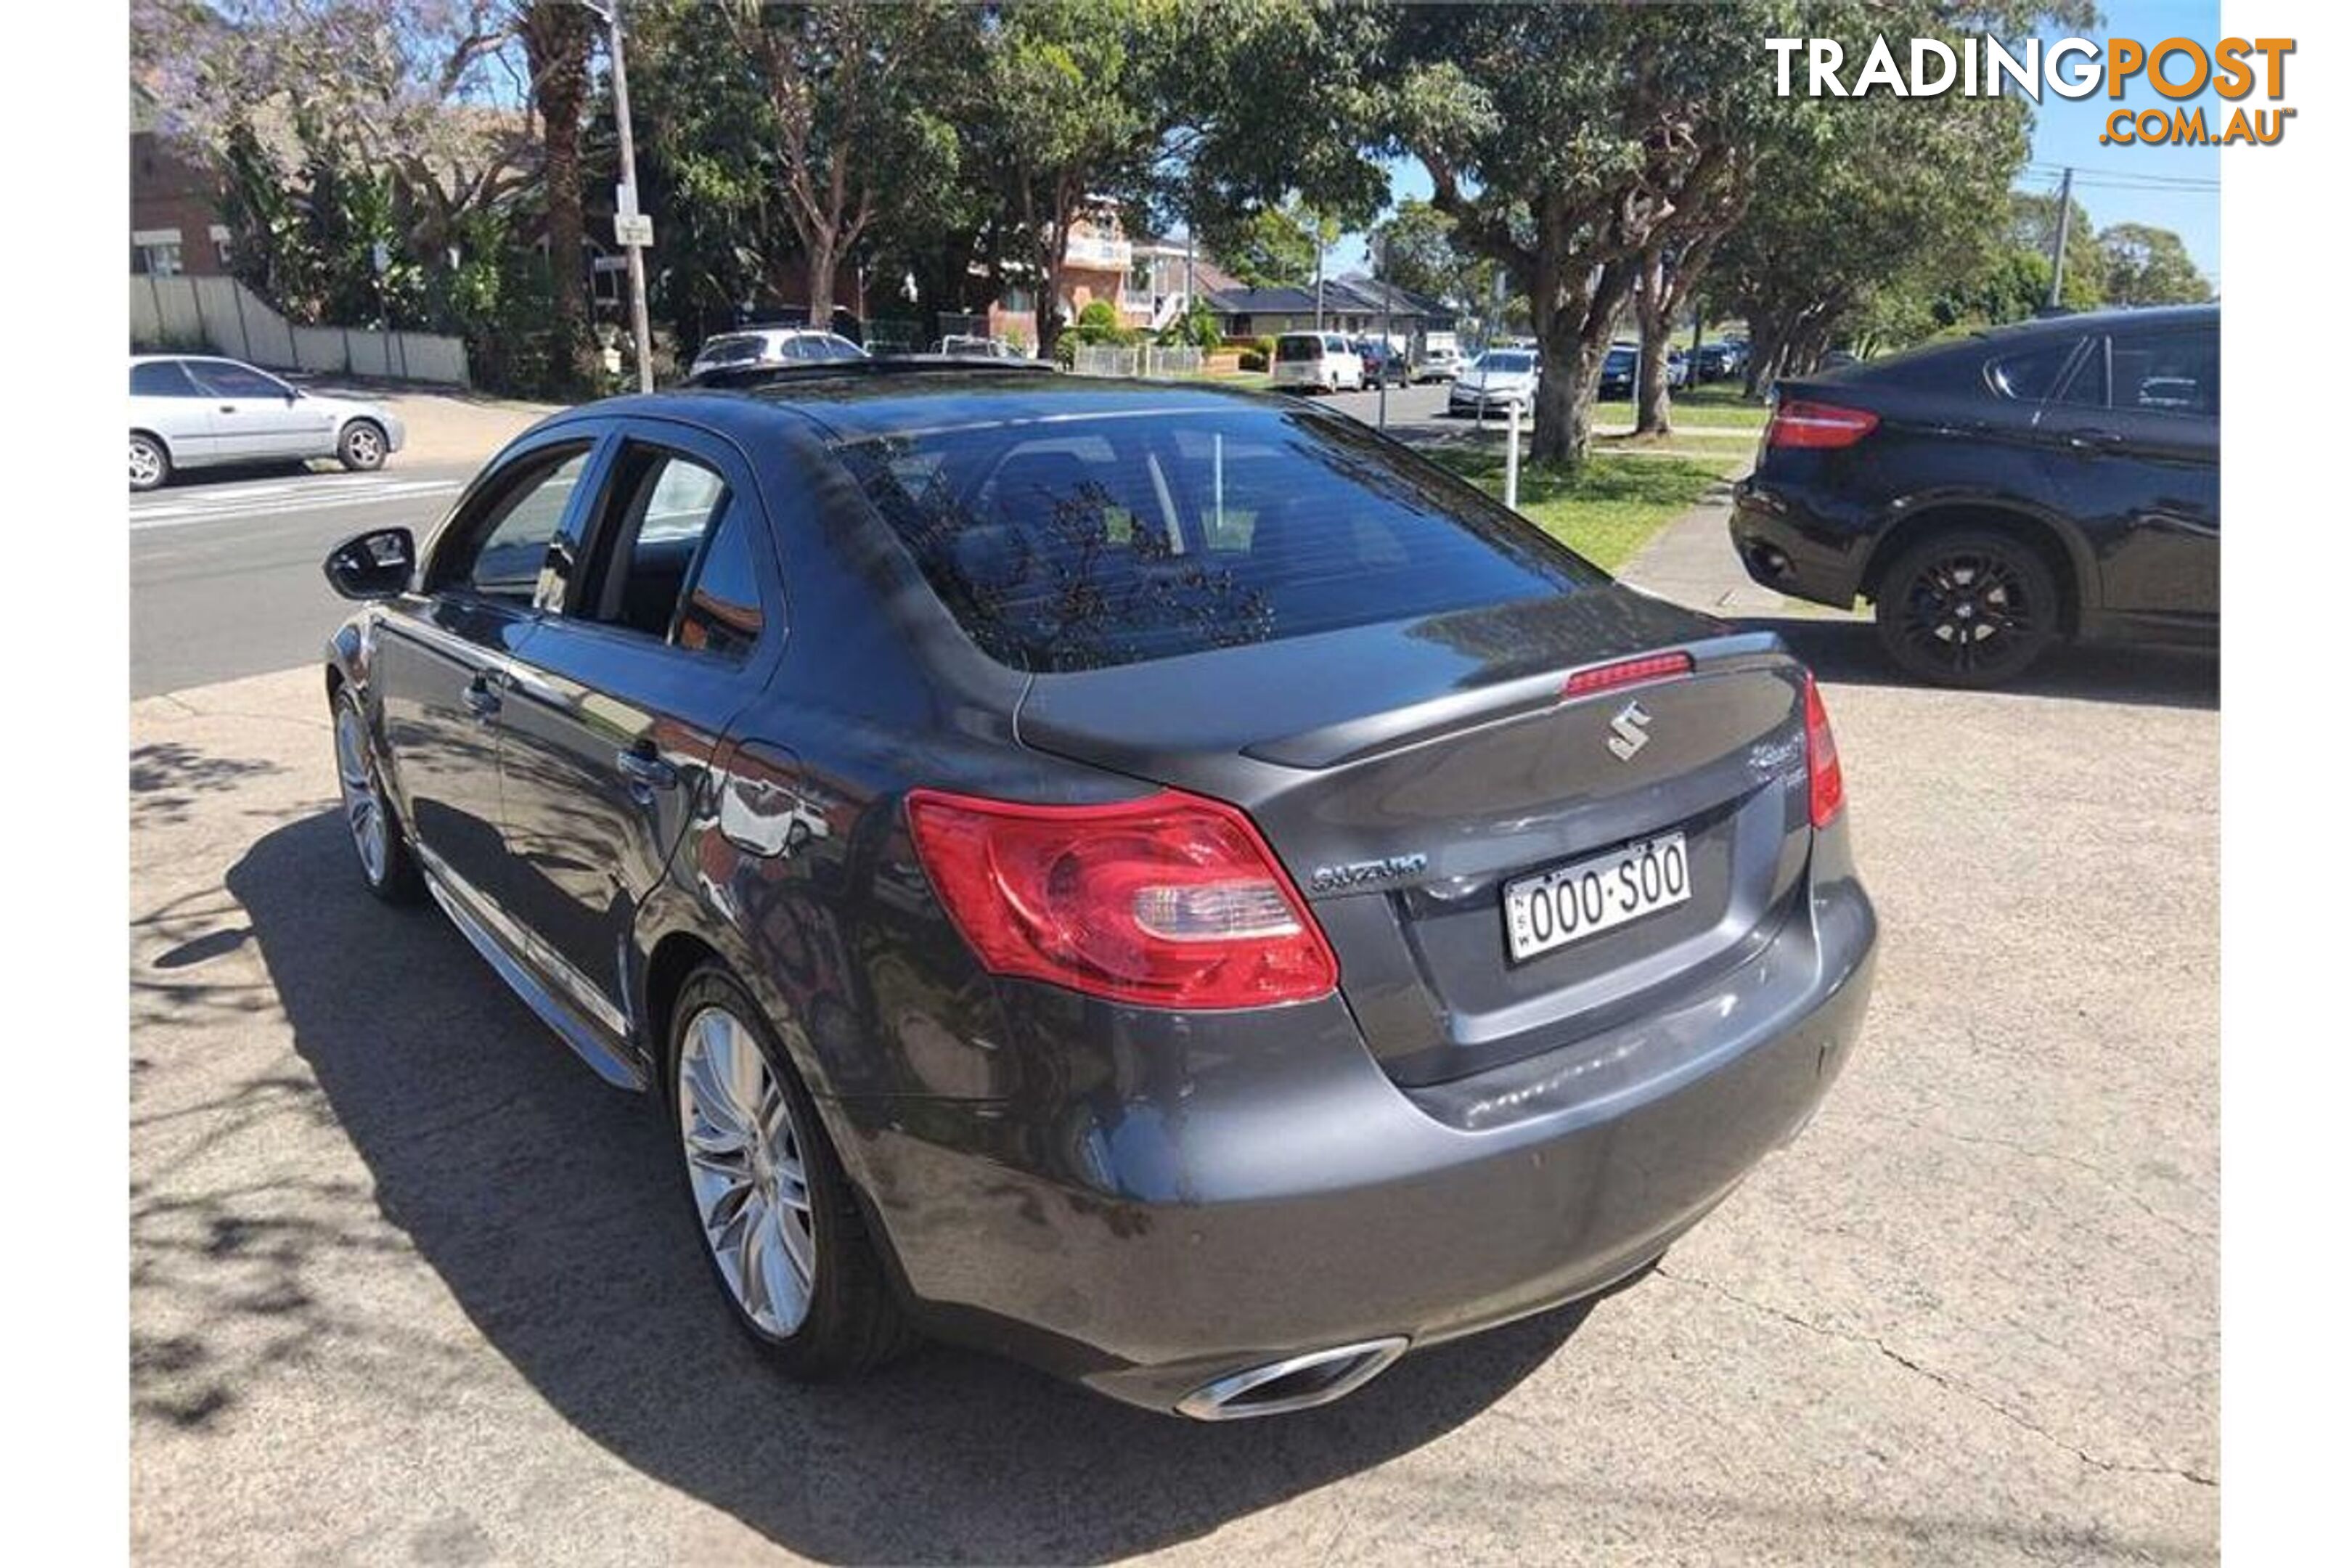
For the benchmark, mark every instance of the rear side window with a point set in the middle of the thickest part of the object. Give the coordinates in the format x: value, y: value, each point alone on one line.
x: 2030, y: 376
x: 161, y: 378
x: 658, y: 508
x: 721, y: 614
x: 1081, y: 543
x: 2167, y: 373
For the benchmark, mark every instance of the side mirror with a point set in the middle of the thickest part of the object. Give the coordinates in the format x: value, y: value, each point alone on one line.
x: 377, y: 564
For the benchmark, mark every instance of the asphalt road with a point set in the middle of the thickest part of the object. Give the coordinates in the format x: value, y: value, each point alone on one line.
x: 225, y: 576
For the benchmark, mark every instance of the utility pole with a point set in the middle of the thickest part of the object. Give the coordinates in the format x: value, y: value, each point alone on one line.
x: 2065, y: 215
x: 1387, y: 344
x: 610, y: 10
x: 1319, y: 274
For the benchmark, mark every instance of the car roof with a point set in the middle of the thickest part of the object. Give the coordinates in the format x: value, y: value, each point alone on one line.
x: 2074, y: 321
x: 860, y: 399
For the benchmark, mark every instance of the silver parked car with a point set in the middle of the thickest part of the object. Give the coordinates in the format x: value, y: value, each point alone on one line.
x: 192, y: 411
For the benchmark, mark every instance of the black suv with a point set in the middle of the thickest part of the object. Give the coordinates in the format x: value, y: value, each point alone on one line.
x: 2057, y: 480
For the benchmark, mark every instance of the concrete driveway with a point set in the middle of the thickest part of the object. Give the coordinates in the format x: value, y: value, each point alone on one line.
x: 409, y: 1285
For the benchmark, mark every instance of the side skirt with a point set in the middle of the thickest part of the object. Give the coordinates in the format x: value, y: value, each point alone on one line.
x: 571, y: 1022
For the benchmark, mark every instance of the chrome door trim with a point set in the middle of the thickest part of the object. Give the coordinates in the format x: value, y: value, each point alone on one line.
x: 565, y: 999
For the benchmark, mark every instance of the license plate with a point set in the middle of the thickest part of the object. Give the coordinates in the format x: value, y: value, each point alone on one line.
x: 1568, y: 903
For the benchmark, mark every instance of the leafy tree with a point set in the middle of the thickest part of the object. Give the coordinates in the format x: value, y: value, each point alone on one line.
x: 557, y: 39
x: 2032, y: 222
x: 1566, y: 143
x: 1275, y: 246
x: 2149, y: 265
x: 1901, y: 195
x: 1414, y: 249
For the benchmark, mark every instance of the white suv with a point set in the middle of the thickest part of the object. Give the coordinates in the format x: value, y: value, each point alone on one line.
x: 1316, y: 362
x: 772, y: 346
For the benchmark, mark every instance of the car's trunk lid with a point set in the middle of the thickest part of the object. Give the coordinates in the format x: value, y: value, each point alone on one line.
x: 1406, y: 773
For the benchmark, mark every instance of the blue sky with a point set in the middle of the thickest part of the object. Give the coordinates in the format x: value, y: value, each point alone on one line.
x: 2114, y: 185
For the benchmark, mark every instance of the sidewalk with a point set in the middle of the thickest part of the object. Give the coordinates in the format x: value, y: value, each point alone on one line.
x: 1692, y: 562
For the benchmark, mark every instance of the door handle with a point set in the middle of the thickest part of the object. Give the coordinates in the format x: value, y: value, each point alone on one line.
x: 2093, y: 440
x: 228, y: 408
x: 645, y: 768
x: 481, y: 699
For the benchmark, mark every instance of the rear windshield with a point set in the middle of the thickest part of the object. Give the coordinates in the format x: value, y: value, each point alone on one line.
x: 1071, y: 544
x: 1298, y: 347
x: 1507, y: 363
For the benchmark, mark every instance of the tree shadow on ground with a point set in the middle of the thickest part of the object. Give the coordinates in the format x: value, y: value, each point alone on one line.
x: 546, y: 1202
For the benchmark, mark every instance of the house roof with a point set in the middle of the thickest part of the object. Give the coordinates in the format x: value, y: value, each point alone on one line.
x: 1355, y: 296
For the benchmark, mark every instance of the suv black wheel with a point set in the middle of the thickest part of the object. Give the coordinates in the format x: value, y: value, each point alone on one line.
x: 779, y: 1225
x: 1970, y: 607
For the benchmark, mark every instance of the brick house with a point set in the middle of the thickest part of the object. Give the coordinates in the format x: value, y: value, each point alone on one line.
x: 176, y: 223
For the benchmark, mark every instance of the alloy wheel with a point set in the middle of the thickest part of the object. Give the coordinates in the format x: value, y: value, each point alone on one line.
x: 1970, y: 611
x: 146, y: 464
x: 746, y: 1163
x: 365, y: 447
x: 362, y: 805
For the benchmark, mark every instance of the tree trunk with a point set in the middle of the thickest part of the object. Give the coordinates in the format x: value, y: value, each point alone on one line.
x: 556, y: 40
x: 821, y: 258
x: 1654, y: 409
x: 1573, y: 323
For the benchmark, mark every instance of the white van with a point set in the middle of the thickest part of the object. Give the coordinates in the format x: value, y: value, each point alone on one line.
x: 1316, y: 362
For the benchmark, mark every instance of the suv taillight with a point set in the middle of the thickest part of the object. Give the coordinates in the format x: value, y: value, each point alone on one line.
x: 1822, y: 771
x: 1797, y: 423
x: 1171, y: 901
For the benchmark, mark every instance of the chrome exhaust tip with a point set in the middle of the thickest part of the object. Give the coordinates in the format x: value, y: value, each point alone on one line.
x: 1299, y: 1383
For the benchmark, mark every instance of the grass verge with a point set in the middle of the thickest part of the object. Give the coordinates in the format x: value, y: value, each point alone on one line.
x: 1606, y: 509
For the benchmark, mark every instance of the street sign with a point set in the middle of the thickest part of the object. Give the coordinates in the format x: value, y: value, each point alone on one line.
x: 633, y: 229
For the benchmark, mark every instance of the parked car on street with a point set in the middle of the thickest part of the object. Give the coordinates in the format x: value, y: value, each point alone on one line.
x: 1677, y: 369
x: 2053, y: 482
x: 771, y: 346
x: 966, y: 346
x: 197, y: 411
x: 1494, y: 381
x: 1315, y: 361
x: 1383, y: 365
x: 1717, y: 362
x: 1618, y: 368
x: 1438, y: 362
x: 1025, y: 938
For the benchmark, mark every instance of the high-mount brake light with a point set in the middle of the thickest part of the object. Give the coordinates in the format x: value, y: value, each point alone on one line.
x: 1171, y: 901
x: 1627, y: 672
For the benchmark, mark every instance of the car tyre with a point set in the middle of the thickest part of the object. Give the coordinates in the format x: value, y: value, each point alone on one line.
x: 362, y: 445
x: 780, y: 1227
x: 385, y: 862
x: 151, y: 465
x: 1969, y: 607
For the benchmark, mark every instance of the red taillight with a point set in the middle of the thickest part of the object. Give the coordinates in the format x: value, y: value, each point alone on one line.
x: 1171, y: 901
x: 1797, y: 423
x: 1625, y: 672
x: 1822, y: 771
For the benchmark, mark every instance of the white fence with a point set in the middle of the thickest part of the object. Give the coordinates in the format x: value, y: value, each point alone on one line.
x: 229, y: 318
x: 1139, y: 359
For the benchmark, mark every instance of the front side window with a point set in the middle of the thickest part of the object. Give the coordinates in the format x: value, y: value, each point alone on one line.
x: 227, y: 378
x: 1108, y: 540
x: 505, y: 546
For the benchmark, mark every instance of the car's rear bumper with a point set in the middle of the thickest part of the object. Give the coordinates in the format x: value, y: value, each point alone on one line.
x: 1167, y: 1199
x: 1784, y: 546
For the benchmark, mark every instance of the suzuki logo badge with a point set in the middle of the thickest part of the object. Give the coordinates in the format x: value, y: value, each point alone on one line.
x: 1632, y: 730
